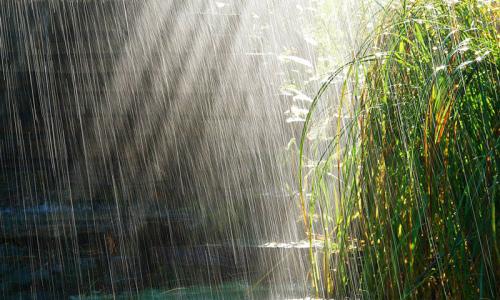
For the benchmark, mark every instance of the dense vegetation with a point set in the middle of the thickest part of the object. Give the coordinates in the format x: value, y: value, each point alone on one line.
x: 404, y: 195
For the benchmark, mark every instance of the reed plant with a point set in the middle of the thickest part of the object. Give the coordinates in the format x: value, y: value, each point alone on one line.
x: 403, y: 197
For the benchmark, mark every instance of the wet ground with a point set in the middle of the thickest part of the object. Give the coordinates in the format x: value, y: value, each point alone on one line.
x: 52, y: 252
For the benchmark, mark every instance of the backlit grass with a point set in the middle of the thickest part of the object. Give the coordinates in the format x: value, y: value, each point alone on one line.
x: 404, y: 195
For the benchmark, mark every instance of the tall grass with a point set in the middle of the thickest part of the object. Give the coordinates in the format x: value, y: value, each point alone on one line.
x: 404, y: 195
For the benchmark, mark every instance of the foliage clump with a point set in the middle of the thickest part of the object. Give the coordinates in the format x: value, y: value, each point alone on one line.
x: 412, y: 210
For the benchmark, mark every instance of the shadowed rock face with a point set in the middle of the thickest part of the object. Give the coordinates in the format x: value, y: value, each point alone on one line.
x: 146, y: 107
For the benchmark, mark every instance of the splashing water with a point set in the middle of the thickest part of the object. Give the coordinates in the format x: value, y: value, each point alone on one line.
x: 142, y: 146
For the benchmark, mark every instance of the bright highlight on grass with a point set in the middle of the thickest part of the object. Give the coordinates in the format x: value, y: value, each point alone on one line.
x: 404, y: 196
